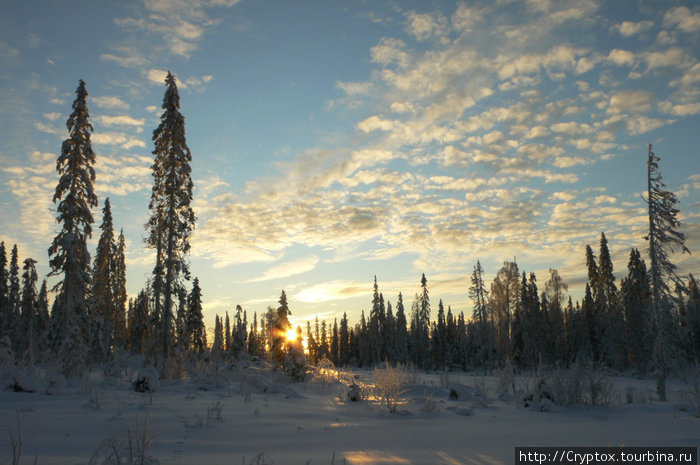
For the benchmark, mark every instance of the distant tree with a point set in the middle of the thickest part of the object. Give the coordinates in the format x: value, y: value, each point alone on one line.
x: 280, y: 327
x: 636, y: 297
x: 323, y: 346
x: 196, y: 334
x: 693, y: 308
x: 389, y: 334
x: 375, y: 326
x: 502, y: 301
x: 556, y: 293
x: 5, y: 313
x: 483, y: 343
x: 138, y: 323
x: 663, y: 237
x: 610, y: 309
x: 401, y: 332
x: 420, y: 326
x: 14, y: 299
x: 171, y: 219
x: 181, y: 317
x: 344, y: 341
x: 440, y: 342
x: 30, y: 325
x: 239, y: 331
x: 43, y: 322
x: 103, y: 302
x: 227, y: 334
x: 70, y: 257
x: 217, y: 346
x: 119, y: 292
x: 335, y: 344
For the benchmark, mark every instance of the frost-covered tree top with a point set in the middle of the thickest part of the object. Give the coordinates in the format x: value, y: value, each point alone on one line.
x: 75, y: 195
x: 664, y: 235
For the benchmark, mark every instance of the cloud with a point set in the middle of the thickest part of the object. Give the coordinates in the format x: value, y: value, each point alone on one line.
x: 672, y: 57
x: 129, y: 58
x: 157, y: 76
x: 180, y: 24
x: 423, y: 26
x: 630, y: 101
x: 629, y: 28
x: 124, y: 140
x: 33, y: 186
x: 621, y: 57
x: 333, y: 290
x: 683, y: 18
x: 121, y: 120
x: 110, y: 102
x: 354, y: 88
x: 53, y: 116
x: 287, y: 269
x: 43, y: 127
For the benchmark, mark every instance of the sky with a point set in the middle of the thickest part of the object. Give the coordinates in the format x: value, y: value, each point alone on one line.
x: 336, y: 141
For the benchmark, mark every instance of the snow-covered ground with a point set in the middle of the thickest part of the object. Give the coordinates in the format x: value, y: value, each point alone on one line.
x: 249, y: 416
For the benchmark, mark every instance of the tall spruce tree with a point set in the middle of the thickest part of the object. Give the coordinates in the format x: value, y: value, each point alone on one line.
x: 171, y: 219
x: 664, y: 236
x: 70, y: 257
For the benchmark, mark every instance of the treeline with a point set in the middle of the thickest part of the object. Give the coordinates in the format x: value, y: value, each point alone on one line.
x: 512, y: 322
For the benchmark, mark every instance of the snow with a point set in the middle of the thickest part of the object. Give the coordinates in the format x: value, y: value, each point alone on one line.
x: 252, y: 416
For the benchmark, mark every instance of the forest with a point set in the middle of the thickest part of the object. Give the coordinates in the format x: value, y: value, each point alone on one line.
x: 647, y: 322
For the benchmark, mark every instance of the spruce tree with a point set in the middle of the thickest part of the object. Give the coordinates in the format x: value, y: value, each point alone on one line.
x: 227, y: 334
x: 555, y: 289
x: 171, y: 219
x: 14, y: 300
x: 636, y: 297
x: 31, y: 335
x: 422, y: 318
x: 195, y: 333
x: 664, y: 236
x: 43, y: 322
x: 344, y: 341
x: 280, y: 327
x: 401, y: 332
x: 217, y: 346
x: 693, y: 308
x: 69, y: 253
x: 5, y: 313
x: 102, y: 320
x: 119, y: 292
x: 335, y: 344
x: 478, y: 294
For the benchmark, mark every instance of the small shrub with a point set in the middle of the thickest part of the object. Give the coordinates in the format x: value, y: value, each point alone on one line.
x: 128, y: 448
x: 389, y: 382
x: 430, y: 407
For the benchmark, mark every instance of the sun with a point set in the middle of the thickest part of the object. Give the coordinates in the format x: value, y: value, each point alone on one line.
x: 291, y: 335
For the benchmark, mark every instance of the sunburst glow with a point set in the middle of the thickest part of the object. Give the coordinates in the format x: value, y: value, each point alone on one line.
x: 291, y: 335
